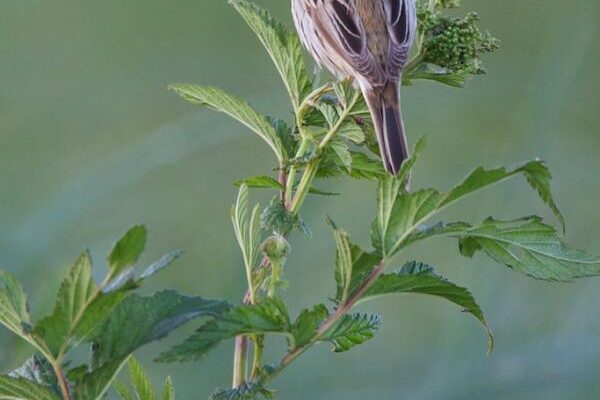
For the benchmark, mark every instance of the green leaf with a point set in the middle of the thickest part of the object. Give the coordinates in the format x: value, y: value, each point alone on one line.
x: 236, y: 108
x: 122, y: 391
x: 247, y: 228
x: 127, y: 250
x: 352, y: 330
x: 432, y: 72
x: 168, y: 390
x: 23, y: 389
x: 140, y: 320
x: 260, y: 182
x: 75, y: 295
x: 343, y: 261
x: 271, y: 316
x: 282, y: 45
x: 415, y: 277
x: 277, y: 218
x: 536, y: 172
x: 94, y: 384
x: 399, y: 214
x: 307, y: 324
x: 14, y: 311
x: 160, y: 264
x: 141, y: 383
x: 527, y: 246
x: 364, y: 167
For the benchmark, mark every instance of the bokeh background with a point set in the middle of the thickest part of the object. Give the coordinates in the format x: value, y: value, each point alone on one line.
x: 92, y: 143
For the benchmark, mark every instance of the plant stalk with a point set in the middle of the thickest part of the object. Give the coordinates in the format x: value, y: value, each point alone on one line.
x: 239, y: 361
x: 62, y: 381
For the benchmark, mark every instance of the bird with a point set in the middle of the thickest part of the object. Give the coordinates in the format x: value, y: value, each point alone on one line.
x: 368, y: 41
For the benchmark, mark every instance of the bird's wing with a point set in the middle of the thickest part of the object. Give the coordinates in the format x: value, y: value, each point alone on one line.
x: 401, y: 18
x: 337, y: 23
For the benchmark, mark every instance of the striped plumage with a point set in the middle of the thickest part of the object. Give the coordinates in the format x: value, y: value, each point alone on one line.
x: 368, y: 40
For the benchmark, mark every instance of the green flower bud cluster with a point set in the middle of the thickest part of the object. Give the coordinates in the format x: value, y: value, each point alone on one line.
x: 454, y: 43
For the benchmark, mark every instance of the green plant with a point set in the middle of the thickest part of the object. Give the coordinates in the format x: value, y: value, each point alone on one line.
x: 331, y: 135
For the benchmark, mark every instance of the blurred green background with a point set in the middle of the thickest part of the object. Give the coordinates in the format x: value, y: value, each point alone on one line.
x: 92, y: 143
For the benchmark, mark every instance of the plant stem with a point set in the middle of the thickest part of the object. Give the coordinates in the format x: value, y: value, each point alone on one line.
x: 293, y: 202
x: 259, y: 346
x: 239, y: 361
x: 62, y: 381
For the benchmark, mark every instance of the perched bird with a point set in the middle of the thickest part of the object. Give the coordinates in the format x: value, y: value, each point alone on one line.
x: 369, y: 41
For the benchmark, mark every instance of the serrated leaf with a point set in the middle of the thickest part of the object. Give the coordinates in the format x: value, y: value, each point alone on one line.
x: 75, y: 295
x: 399, y: 214
x: 140, y: 381
x: 352, y: 131
x: 307, y: 324
x: 127, y: 250
x: 271, y: 316
x: 536, y: 173
x: 364, y: 167
x: 527, y: 246
x: 416, y: 277
x: 236, y: 108
x: 23, y: 389
x: 352, y: 330
x: 282, y: 45
x: 14, y: 311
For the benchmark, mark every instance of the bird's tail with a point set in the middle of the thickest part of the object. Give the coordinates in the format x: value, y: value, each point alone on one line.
x: 384, y: 104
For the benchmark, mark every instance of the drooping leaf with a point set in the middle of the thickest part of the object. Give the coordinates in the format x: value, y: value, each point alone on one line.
x: 527, y: 246
x: 307, y: 324
x: 24, y: 389
x: 140, y: 320
x: 282, y: 45
x: 415, y: 277
x: 271, y: 316
x: 236, y: 108
x: 127, y: 250
x: 352, y: 330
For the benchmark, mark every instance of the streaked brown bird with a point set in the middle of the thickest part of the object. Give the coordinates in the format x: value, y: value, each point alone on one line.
x: 369, y: 41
